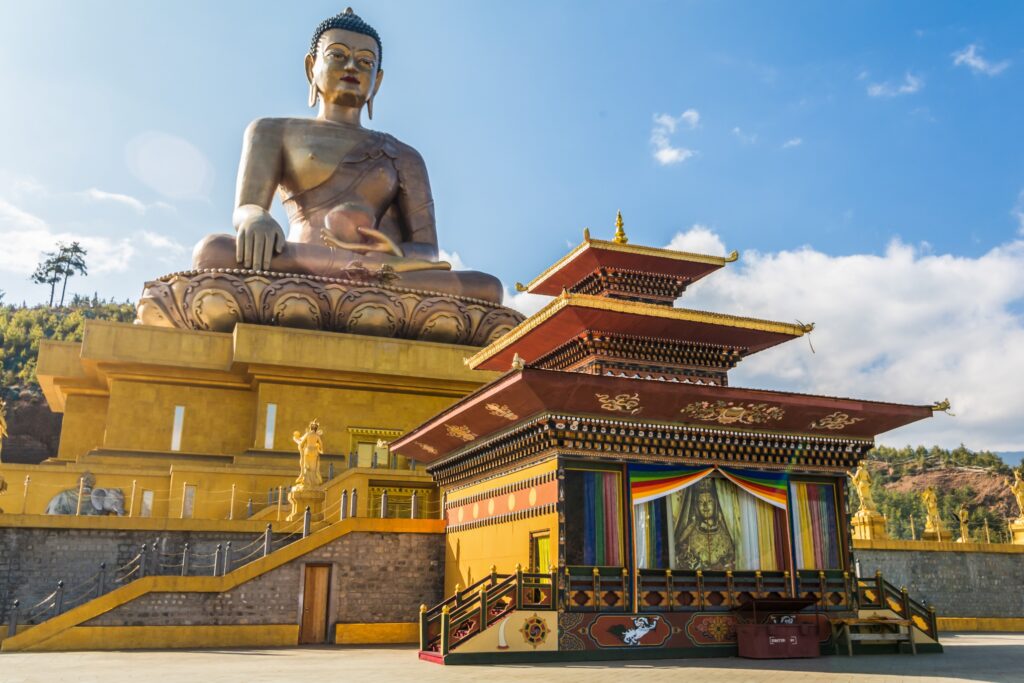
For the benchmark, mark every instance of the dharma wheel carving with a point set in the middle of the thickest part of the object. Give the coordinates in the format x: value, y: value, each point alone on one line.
x: 365, y: 303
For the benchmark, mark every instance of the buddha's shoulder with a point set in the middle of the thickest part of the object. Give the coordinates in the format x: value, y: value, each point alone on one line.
x: 398, y: 149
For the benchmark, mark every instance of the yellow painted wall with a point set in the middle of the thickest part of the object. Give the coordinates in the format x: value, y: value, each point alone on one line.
x: 170, y: 637
x: 338, y: 409
x: 83, y: 426
x: 470, y: 554
x: 377, y: 634
x: 141, y: 415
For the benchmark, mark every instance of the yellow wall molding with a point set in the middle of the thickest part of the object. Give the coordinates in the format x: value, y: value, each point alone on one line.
x: 37, y: 636
x: 980, y: 623
x: 376, y: 634
x: 171, y: 637
x: 139, y: 523
x: 936, y: 546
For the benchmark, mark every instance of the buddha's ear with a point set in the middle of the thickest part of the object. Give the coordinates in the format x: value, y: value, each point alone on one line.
x: 376, y: 85
x: 313, y: 93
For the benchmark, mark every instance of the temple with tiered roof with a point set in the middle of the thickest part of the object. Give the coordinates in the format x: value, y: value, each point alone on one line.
x: 611, y: 495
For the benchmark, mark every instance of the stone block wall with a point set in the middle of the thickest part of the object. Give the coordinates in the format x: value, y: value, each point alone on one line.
x: 32, y: 560
x: 958, y: 584
x: 375, y: 578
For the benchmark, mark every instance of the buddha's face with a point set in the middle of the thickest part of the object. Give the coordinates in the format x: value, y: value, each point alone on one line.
x: 345, y: 69
x: 706, y: 506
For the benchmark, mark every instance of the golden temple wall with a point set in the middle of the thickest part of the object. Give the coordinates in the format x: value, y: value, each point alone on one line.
x: 119, y: 388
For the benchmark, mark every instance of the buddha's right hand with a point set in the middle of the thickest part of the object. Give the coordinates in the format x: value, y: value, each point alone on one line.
x: 259, y: 238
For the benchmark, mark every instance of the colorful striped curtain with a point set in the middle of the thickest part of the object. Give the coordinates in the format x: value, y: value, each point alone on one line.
x: 815, y: 526
x: 650, y: 482
x: 602, y: 518
x: 753, y: 505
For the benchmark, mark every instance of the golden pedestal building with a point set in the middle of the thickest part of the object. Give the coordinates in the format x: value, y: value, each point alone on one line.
x: 180, y: 420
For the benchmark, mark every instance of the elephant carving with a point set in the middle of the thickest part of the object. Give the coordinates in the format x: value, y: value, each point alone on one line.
x: 98, y: 501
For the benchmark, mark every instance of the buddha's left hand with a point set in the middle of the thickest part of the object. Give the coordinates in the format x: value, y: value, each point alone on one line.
x: 378, y: 243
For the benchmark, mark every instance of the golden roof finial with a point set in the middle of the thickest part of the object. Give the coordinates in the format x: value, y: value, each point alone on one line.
x: 620, y: 234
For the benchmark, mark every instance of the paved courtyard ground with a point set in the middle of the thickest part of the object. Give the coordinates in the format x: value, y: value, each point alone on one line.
x: 968, y: 657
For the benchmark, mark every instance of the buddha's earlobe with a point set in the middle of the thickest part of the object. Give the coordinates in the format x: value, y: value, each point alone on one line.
x: 369, y: 108
x: 314, y: 94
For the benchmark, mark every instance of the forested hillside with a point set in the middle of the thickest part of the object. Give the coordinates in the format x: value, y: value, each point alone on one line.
x: 977, y: 478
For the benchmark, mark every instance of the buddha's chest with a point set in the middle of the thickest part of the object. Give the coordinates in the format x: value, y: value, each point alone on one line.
x: 312, y: 156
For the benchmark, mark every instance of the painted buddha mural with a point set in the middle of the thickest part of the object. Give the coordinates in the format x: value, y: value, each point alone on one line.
x: 702, y: 539
x: 353, y: 196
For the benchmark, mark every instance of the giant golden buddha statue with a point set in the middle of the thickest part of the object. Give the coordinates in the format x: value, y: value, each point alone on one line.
x: 360, y: 212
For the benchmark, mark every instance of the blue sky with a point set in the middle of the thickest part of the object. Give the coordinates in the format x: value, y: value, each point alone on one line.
x: 836, y: 143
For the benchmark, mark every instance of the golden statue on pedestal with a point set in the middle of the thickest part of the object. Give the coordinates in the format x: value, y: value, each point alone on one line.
x: 868, y: 522
x: 311, y: 447
x: 308, y: 491
x: 861, y: 479
x: 964, y: 515
x: 362, y: 253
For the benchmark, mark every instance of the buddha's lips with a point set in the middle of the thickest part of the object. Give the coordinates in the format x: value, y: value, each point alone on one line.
x: 350, y: 79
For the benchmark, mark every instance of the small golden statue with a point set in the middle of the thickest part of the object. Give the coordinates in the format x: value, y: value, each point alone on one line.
x: 308, y: 490
x: 1017, y: 489
x: 868, y: 522
x: 934, y: 530
x: 311, y: 447
x: 964, y: 515
x: 861, y: 479
x: 1017, y: 525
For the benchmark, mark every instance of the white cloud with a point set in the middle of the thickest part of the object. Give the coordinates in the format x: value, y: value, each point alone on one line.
x: 745, y: 138
x: 96, y: 195
x: 792, y: 142
x: 26, y: 236
x: 665, y: 153
x: 525, y: 303
x: 905, y: 326
x: 699, y: 239
x: 172, y: 166
x: 911, y: 84
x: 453, y: 258
x: 970, y: 58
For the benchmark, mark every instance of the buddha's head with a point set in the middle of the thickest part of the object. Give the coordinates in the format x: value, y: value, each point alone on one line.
x: 343, y: 64
x: 706, y: 506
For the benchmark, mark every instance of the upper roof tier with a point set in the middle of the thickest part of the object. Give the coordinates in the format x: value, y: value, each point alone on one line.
x: 618, y: 269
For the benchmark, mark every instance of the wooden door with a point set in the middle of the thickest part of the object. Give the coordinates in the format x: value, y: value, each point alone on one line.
x: 314, y: 604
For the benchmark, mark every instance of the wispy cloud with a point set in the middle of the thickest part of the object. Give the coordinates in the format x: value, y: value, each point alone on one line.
x: 792, y: 142
x: 699, y: 239
x: 899, y: 307
x: 745, y: 138
x: 665, y: 153
x: 96, y: 195
x: 911, y: 84
x: 970, y: 58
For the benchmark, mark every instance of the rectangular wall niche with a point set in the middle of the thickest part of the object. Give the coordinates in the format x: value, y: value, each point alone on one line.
x: 271, y: 424
x: 176, y: 429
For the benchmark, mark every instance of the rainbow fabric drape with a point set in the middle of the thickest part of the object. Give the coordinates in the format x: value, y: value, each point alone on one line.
x: 815, y: 530
x: 650, y: 482
x: 602, y: 515
x: 767, y: 486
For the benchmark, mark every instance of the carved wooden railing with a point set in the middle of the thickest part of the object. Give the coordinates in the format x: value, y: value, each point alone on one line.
x: 877, y: 593
x: 596, y: 589
x: 471, y: 610
x: 665, y: 590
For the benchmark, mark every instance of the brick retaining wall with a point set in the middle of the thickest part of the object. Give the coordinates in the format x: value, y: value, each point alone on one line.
x: 375, y: 578
x: 958, y: 584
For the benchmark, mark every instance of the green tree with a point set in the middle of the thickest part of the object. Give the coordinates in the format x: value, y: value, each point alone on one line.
x: 48, y: 272
x: 71, y: 258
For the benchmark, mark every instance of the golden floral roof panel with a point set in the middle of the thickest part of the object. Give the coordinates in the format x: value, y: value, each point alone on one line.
x: 519, y: 395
